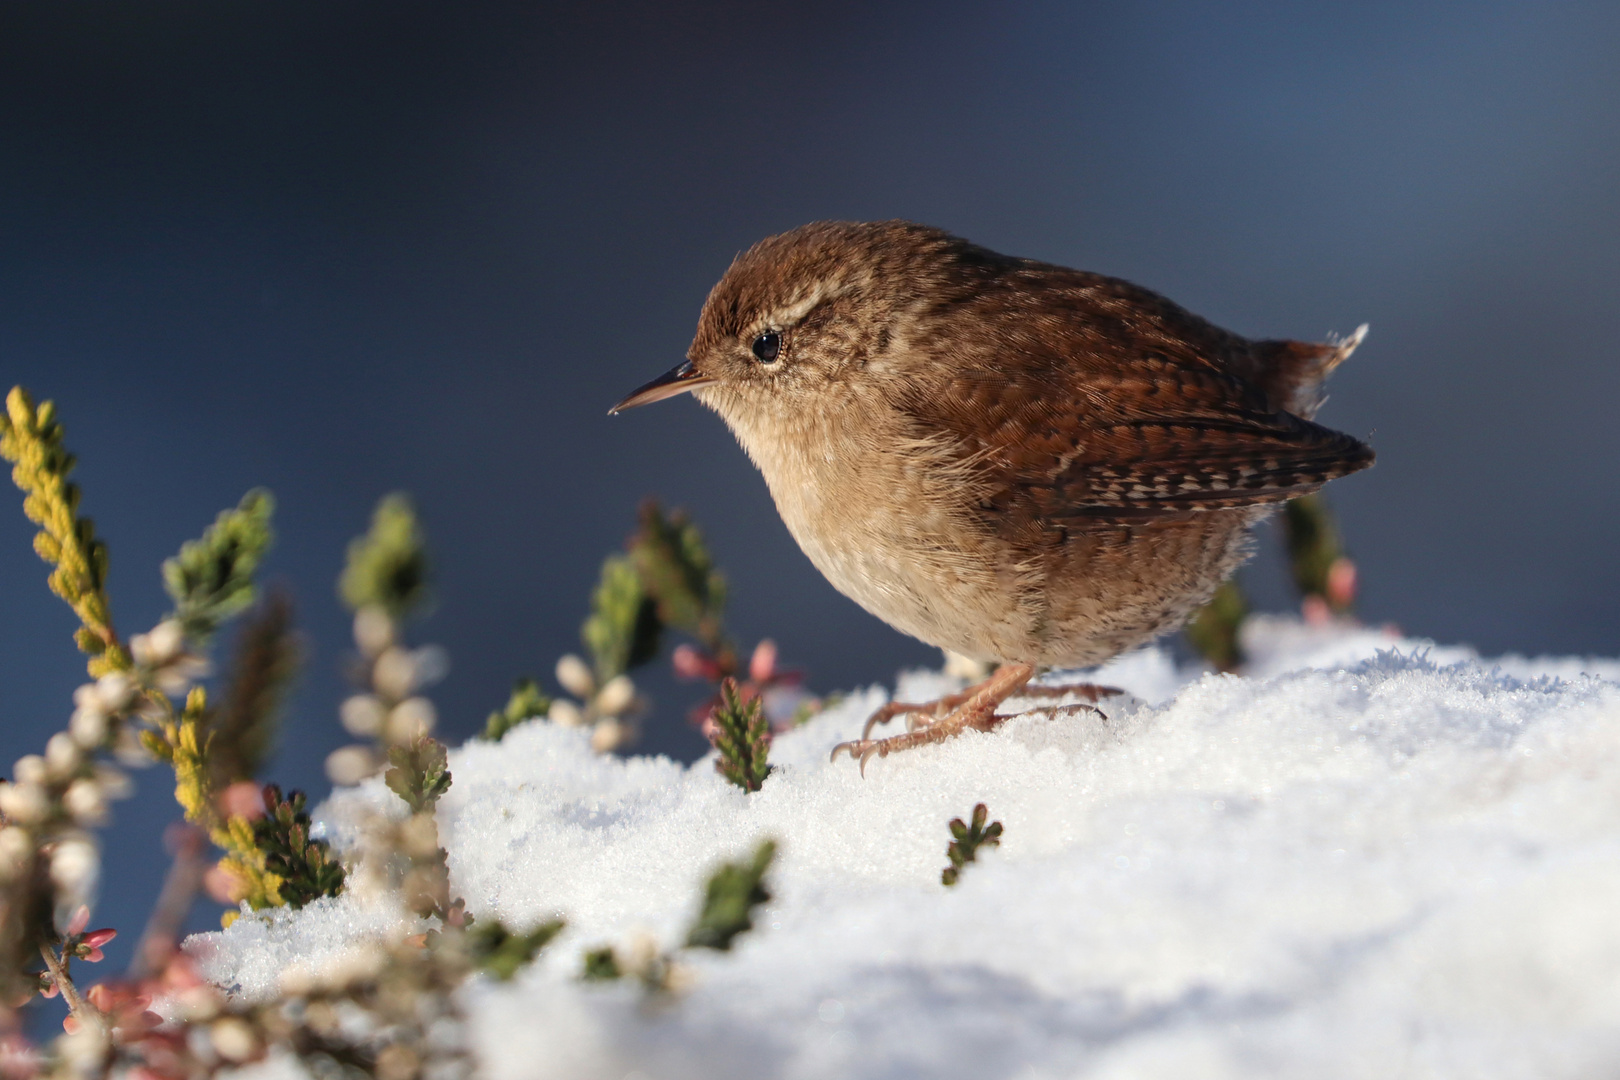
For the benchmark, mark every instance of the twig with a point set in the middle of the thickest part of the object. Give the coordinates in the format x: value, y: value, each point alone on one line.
x: 173, y: 903
x: 86, y: 1013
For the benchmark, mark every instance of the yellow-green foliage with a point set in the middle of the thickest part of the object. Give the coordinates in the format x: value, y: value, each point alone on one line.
x: 211, y: 579
x: 31, y: 439
x: 1214, y: 630
x: 184, y: 745
x: 622, y: 630
x: 387, y: 567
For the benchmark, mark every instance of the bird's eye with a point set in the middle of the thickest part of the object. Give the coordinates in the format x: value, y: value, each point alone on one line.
x: 768, y: 346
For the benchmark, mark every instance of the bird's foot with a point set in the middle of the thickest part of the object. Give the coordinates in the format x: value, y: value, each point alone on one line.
x: 1090, y: 691
x: 974, y: 707
x: 918, y: 715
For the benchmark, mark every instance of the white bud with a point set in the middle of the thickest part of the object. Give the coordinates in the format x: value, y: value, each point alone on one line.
x: 394, y: 674
x: 297, y: 980
x: 360, y: 964
x: 62, y: 756
x: 617, y: 696
x: 565, y: 713
x: 74, y: 866
x: 24, y: 804
x: 115, y: 784
x: 348, y: 765
x: 179, y: 673
x: 88, y: 696
x: 15, y: 847
x: 419, y: 836
x: 432, y: 664
x: 610, y: 734
x: 88, y: 727
x: 373, y: 629
x: 362, y: 716
x: 29, y: 769
x: 83, y: 1051
x: 116, y: 690
x: 575, y: 676
x: 409, y: 719
x: 84, y: 802
x: 159, y: 645
x: 128, y: 750
x: 233, y: 1039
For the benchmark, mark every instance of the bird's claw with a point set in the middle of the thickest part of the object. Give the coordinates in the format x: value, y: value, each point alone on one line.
x: 862, y: 750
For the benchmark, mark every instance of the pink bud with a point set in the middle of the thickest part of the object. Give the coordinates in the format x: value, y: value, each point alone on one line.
x: 1341, y: 583
x: 81, y: 919
x: 690, y: 662
x: 242, y: 799
x: 762, y: 665
x: 90, y: 945
x: 1316, y: 611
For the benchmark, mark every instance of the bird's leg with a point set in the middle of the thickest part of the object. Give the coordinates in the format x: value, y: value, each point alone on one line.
x: 932, y: 710
x: 977, y: 710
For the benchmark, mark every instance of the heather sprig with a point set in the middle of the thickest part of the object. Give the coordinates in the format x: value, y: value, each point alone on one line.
x: 1214, y: 630
x: 730, y: 896
x: 211, y: 579
x: 526, y: 703
x: 503, y: 952
x: 679, y: 576
x: 419, y: 773
x: 304, y: 867
x: 31, y: 439
x: 1324, y: 575
x: 742, y: 737
x: 967, y: 839
x: 387, y: 567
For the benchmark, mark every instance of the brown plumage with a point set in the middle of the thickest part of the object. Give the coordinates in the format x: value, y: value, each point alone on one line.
x: 1016, y: 461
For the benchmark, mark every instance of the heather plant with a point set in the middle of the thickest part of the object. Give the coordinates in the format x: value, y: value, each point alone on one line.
x: 966, y: 840
x: 1321, y: 571
x: 383, y: 1011
x: 732, y: 893
x: 664, y: 580
x: 742, y: 738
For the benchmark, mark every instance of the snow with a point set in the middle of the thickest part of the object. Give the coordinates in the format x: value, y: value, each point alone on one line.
x: 1372, y: 857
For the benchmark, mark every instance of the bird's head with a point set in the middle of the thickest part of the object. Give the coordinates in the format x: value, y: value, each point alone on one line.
x: 801, y: 313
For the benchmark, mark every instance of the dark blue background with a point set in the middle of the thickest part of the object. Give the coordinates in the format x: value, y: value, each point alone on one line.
x: 342, y: 249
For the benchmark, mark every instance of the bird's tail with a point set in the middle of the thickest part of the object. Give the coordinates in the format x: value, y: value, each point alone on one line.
x: 1292, y: 372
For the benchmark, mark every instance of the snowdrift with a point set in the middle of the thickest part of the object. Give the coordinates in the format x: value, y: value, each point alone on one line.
x: 1372, y: 857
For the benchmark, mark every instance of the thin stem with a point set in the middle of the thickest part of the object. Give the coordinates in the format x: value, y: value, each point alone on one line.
x: 86, y: 1013
x: 174, y: 902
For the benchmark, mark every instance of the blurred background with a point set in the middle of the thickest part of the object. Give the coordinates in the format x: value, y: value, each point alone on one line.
x: 344, y: 249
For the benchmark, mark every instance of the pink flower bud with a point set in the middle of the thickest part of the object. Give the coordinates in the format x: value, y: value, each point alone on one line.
x: 1341, y: 583
x: 762, y: 665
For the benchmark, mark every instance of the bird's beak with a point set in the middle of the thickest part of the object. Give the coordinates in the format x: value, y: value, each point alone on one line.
x: 682, y: 378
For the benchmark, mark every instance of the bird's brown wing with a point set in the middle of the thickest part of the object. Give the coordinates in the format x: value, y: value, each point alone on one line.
x: 1090, y: 420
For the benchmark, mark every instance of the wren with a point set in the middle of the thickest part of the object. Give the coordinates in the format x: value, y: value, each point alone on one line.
x: 1022, y: 463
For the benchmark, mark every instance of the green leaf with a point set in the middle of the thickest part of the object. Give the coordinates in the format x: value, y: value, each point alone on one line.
x: 306, y: 866
x: 502, y: 952
x: 729, y: 899
x: 420, y: 772
x: 968, y: 839
x: 387, y: 567
x: 742, y: 737
x: 623, y: 628
x: 677, y: 572
x: 212, y: 578
x: 526, y: 703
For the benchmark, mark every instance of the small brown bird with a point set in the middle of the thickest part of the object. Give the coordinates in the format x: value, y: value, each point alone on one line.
x: 1019, y: 462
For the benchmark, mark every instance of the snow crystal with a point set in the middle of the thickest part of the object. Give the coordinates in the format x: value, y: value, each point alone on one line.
x: 1372, y: 858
